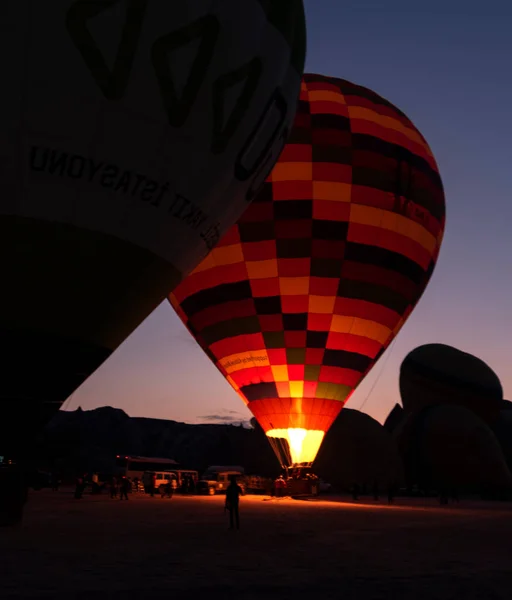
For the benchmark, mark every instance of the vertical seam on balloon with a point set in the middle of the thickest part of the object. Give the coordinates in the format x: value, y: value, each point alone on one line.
x: 350, y: 329
x: 258, y: 369
x: 312, y: 218
x: 312, y: 227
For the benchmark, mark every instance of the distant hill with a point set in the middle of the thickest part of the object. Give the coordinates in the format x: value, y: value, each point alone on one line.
x: 90, y: 440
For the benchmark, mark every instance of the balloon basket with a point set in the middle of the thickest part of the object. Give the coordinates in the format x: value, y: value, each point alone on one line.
x: 302, y: 487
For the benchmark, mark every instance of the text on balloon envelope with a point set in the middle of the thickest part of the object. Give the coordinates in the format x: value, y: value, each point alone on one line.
x: 122, y: 181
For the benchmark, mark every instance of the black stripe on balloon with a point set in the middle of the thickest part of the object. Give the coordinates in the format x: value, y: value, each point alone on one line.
x: 311, y: 372
x: 296, y: 356
x: 226, y: 292
x: 381, y: 147
x: 370, y: 143
x: 330, y: 122
x: 293, y: 209
x: 330, y: 230
x: 346, y: 360
x: 316, y: 339
x: 293, y: 248
x: 370, y: 292
x: 269, y: 305
x: 326, y: 267
x: 379, y: 179
x: 334, y: 154
x: 385, y: 259
x: 258, y: 231
x: 295, y: 321
x: 258, y: 391
x: 273, y: 339
x: 231, y: 328
x: 301, y: 135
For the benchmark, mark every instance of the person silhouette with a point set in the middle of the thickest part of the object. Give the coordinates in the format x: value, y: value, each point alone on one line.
x: 233, y: 492
x: 125, y: 487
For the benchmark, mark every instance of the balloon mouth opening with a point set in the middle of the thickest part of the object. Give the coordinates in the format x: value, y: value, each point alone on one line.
x: 295, y: 446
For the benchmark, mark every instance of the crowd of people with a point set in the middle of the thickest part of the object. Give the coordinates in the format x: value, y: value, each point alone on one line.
x: 120, y: 486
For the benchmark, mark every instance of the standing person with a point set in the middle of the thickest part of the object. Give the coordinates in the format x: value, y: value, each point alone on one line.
x: 233, y: 492
x: 152, y: 485
x: 95, y: 489
x: 79, y: 488
x: 113, y: 488
x: 125, y: 486
x: 280, y: 485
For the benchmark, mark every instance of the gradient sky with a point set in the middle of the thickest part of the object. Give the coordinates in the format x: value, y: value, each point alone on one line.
x: 448, y: 66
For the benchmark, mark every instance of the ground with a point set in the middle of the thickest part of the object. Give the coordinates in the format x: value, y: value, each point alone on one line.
x: 101, y: 548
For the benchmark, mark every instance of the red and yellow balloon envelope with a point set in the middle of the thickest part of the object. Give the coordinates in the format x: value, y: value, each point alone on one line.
x: 301, y: 297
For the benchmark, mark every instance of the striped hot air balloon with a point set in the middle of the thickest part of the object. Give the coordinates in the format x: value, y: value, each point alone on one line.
x: 301, y: 297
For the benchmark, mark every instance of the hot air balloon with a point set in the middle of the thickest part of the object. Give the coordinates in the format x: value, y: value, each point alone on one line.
x: 133, y: 134
x: 440, y: 374
x: 300, y: 299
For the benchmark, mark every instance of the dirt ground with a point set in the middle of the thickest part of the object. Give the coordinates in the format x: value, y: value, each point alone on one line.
x: 99, y: 548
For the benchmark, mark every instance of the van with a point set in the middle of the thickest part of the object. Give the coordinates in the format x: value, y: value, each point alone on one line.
x: 162, y: 479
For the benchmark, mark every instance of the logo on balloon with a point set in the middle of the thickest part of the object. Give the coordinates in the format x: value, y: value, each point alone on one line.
x: 257, y: 156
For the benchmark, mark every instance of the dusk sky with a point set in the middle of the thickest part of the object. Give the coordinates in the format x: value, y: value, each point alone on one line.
x: 448, y: 66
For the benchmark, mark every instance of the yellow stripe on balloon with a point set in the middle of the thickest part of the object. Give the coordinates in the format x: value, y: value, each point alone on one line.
x: 296, y: 389
x: 367, y: 114
x: 292, y: 171
x: 262, y: 269
x: 280, y: 372
x: 386, y: 219
x: 362, y: 327
x: 331, y: 190
x: 227, y: 255
x: 326, y: 96
x: 294, y: 286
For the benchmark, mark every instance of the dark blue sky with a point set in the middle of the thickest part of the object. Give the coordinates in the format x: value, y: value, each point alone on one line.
x: 448, y: 66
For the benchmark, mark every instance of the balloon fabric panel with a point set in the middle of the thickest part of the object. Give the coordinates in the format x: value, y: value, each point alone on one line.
x: 304, y: 294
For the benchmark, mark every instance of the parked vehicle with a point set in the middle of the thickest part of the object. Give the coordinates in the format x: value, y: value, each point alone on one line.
x: 135, y: 466
x: 215, y: 480
x: 161, y: 481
